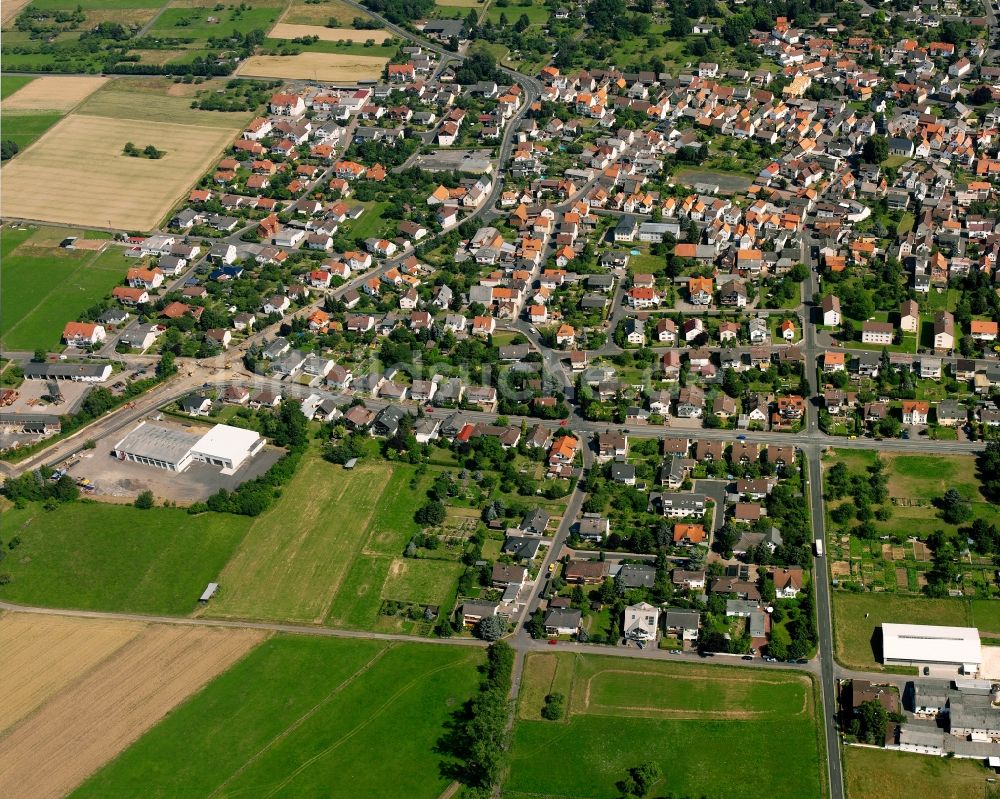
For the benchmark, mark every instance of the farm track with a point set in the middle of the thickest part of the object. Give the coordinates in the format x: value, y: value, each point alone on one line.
x: 302, y: 719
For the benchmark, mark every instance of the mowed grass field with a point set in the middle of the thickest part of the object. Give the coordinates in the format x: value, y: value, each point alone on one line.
x: 45, y: 286
x: 12, y: 83
x: 703, y: 725
x: 330, y: 550
x: 104, y: 704
x: 879, y: 774
x: 77, y: 173
x: 920, y: 477
x: 25, y: 128
x: 184, y: 21
x: 537, y: 13
x: 856, y: 617
x: 305, y: 716
x: 110, y: 557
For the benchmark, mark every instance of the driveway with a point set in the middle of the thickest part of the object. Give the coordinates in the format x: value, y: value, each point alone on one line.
x: 716, y: 489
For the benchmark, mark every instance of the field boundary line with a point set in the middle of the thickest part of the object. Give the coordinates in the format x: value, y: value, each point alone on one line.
x: 303, y: 718
x: 368, y: 720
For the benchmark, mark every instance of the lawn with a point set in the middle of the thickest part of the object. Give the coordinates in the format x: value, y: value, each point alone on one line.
x: 112, y: 557
x: 46, y: 286
x: 303, y: 716
x: 371, y: 223
x: 856, y: 617
x: 537, y: 13
x: 330, y: 551
x: 718, y: 720
x: 875, y: 774
x: 25, y: 128
x: 193, y: 23
x: 11, y: 83
x: 728, y: 182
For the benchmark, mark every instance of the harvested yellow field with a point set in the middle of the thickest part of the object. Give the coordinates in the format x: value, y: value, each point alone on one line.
x: 302, y: 13
x: 40, y: 655
x: 11, y: 8
x: 129, y: 17
x: 91, y: 721
x: 53, y: 93
x: 285, y: 31
x: 337, y: 68
x: 77, y: 174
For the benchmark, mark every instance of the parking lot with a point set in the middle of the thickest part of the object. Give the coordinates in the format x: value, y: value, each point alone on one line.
x: 123, y: 481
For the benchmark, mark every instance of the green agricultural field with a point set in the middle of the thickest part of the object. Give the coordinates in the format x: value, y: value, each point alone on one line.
x: 46, y: 286
x: 24, y: 128
x: 11, y: 83
x: 148, y: 101
x: 193, y: 23
x: 114, y: 557
x: 857, y: 616
x: 986, y: 616
x: 875, y: 774
x: 305, y: 716
x: 537, y: 13
x: 330, y: 551
x: 718, y: 720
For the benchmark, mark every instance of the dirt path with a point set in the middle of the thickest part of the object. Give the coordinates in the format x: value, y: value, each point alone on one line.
x: 450, y: 791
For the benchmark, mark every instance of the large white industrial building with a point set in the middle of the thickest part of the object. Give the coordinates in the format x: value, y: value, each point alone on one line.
x: 919, y: 645
x: 174, y: 450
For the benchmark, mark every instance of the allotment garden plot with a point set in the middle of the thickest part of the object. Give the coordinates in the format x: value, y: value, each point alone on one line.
x: 719, y: 720
x: 888, y: 551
